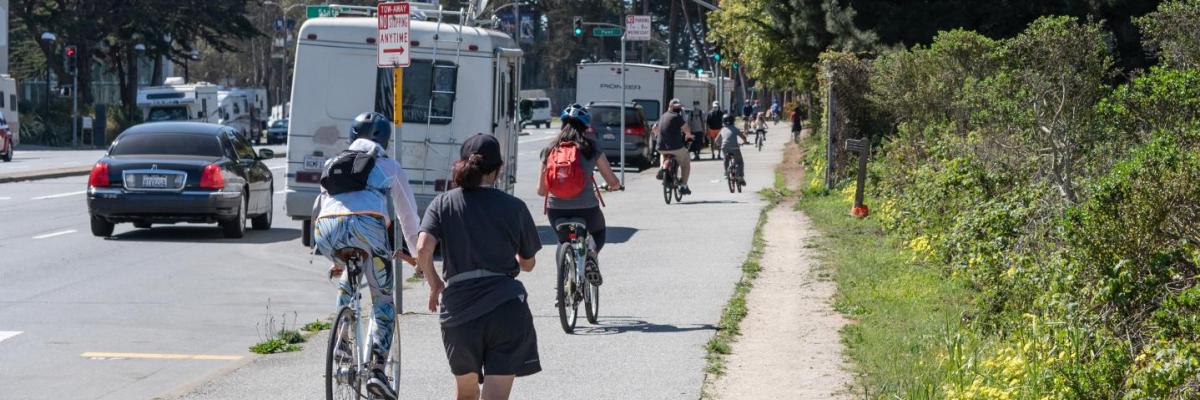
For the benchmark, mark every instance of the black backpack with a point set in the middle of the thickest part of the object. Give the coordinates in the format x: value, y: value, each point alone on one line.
x: 348, y: 172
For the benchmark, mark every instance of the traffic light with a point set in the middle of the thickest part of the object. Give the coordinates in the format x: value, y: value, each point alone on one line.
x: 69, y: 59
x: 578, y: 24
x: 717, y: 55
x: 735, y: 66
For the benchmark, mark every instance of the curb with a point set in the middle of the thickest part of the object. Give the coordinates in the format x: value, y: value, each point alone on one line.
x: 65, y: 172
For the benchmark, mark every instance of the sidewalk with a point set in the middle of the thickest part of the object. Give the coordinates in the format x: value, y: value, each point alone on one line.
x: 41, y: 162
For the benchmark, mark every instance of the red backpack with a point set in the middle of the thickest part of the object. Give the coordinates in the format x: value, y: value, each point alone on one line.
x: 564, y: 173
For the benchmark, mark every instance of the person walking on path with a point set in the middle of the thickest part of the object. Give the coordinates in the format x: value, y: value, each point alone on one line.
x: 487, y: 238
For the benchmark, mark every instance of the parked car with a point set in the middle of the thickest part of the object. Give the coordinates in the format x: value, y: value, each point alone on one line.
x: 170, y: 172
x: 277, y: 132
x: 536, y: 112
x: 6, y: 140
x: 606, y: 121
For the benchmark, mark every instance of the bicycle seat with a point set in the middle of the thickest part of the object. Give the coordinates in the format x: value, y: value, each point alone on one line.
x: 565, y: 225
x: 348, y: 254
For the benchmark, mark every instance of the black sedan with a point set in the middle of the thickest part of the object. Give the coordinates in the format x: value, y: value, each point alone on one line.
x: 169, y: 172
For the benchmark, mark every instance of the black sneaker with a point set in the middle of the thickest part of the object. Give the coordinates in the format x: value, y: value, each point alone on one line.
x: 684, y: 190
x: 661, y: 173
x: 379, y: 385
x: 591, y: 271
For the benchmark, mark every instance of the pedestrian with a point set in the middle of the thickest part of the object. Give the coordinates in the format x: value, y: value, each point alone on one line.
x: 747, y: 111
x: 696, y: 125
x: 796, y: 122
x: 487, y: 238
x: 714, y: 127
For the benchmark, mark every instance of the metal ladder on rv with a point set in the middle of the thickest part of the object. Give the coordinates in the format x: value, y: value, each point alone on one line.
x: 463, y: 19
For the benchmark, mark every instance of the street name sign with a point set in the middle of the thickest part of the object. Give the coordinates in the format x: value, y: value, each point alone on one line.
x: 637, y: 27
x: 604, y: 31
x: 393, y: 23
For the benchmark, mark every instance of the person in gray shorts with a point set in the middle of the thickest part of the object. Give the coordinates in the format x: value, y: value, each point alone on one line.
x: 728, y: 140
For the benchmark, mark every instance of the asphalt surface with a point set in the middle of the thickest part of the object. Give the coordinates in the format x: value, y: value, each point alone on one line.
x: 28, y: 162
x: 170, y: 311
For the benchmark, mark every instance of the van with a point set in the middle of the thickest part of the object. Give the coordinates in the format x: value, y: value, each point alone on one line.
x: 606, y: 122
x: 462, y: 80
x: 536, y: 111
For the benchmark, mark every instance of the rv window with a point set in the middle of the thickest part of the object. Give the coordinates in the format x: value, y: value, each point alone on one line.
x: 423, y: 85
x: 167, y: 114
x: 1, y: 99
x: 12, y: 102
x: 651, y: 107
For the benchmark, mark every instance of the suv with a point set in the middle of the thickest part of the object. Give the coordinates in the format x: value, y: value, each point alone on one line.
x: 6, y: 140
x: 278, y: 131
x: 606, y: 121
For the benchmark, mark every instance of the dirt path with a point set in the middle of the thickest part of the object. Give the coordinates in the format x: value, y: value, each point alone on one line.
x: 790, y: 346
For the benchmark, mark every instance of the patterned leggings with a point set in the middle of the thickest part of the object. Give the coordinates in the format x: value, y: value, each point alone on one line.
x: 368, y: 233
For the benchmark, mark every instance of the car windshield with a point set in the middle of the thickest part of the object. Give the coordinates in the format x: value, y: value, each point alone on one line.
x: 167, y: 114
x: 280, y: 124
x: 184, y: 144
x: 611, y: 116
x: 541, y: 104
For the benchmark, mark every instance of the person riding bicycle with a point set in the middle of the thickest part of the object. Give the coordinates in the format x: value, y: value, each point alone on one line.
x: 572, y: 142
x: 728, y: 140
x: 487, y: 238
x: 775, y: 110
x: 714, y: 125
x: 359, y: 219
x: 672, y: 142
x: 760, y: 125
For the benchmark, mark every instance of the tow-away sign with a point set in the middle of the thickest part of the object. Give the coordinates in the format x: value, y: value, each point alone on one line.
x: 393, y: 35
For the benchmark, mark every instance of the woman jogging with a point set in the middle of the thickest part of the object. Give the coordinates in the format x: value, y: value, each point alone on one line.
x: 487, y: 237
x: 585, y: 204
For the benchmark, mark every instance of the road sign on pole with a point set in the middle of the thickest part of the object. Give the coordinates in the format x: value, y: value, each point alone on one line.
x: 637, y: 28
x: 604, y: 31
x: 393, y: 23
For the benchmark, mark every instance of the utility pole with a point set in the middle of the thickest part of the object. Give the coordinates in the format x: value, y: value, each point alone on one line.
x: 673, y: 25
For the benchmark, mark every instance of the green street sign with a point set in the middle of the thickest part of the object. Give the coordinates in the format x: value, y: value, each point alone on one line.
x: 604, y: 31
x: 325, y: 11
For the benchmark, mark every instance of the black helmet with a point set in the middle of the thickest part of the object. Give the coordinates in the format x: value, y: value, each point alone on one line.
x: 728, y: 119
x: 372, y: 125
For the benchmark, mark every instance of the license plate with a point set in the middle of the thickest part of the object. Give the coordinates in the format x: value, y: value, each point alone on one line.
x: 610, y: 136
x: 313, y: 162
x: 154, y: 181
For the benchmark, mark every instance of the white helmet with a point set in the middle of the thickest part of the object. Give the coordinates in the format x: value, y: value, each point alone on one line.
x: 716, y: 104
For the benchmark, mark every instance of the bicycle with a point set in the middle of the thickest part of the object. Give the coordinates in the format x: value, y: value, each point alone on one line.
x: 347, y: 366
x: 760, y: 136
x: 573, y: 286
x: 671, y: 179
x: 731, y: 167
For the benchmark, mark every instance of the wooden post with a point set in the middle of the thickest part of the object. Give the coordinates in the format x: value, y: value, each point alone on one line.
x: 863, y: 148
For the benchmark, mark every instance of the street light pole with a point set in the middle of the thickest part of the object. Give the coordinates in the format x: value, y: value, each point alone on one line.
x: 49, y: 38
x: 623, y: 127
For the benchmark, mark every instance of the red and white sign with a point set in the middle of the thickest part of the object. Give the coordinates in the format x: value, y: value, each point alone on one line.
x: 637, y: 27
x: 393, y: 40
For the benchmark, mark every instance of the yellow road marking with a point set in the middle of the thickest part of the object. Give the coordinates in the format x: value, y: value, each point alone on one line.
x: 161, y: 356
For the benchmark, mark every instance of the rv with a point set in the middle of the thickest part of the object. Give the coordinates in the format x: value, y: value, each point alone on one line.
x: 694, y: 92
x: 179, y: 101
x: 8, y: 108
x: 646, y: 85
x: 462, y: 80
x: 234, y: 110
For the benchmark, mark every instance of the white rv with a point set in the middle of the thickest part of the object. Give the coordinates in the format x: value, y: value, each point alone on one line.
x: 234, y: 110
x: 649, y: 86
x: 463, y: 80
x: 179, y: 101
x: 8, y: 108
x: 694, y: 92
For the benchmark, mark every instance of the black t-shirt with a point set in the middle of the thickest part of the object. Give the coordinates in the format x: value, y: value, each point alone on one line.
x: 670, y: 131
x: 714, y: 119
x: 480, y: 229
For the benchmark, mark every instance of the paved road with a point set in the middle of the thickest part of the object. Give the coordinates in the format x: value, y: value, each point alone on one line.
x: 180, y: 304
x: 27, y: 161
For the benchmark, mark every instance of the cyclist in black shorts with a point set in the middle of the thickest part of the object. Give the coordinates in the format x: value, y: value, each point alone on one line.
x: 487, y: 238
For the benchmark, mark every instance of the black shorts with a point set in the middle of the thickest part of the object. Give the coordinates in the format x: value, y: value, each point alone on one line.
x: 593, y: 217
x: 503, y: 342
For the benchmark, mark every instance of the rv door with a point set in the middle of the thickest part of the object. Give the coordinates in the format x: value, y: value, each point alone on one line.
x: 507, y: 120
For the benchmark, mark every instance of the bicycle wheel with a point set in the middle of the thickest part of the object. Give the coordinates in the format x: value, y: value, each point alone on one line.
x: 393, y: 361
x: 667, y: 190
x: 759, y: 141
x: 731, y: 178
x: 568, y: 305
x: 342, y: 380
x: 675, y: 188
x: 591, y: 299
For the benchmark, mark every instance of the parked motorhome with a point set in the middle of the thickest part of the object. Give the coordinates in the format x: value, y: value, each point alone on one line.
x: 647, y: 85
x: 176, y: 100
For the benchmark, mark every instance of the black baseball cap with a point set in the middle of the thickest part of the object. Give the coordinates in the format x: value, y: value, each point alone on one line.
x: 486, y: 146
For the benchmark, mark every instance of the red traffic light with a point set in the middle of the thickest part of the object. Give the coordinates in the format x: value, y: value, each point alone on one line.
x: 70, y: 51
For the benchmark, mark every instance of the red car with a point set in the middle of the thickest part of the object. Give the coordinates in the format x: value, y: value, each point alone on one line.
x: 6, y: 140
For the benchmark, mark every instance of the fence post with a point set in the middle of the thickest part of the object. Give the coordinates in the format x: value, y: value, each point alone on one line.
x: 830, y: 137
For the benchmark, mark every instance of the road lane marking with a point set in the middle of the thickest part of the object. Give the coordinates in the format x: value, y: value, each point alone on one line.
x: 5, y: 198
x: 4, y: 335
x: 279, y: 167
x: 280, y: 191
x: 159, y: 356
x: 55, y: 196
x: 53, y: 234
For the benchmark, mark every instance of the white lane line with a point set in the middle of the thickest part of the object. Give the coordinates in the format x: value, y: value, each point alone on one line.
x: 280, y: 191
x: 53, y: 234
x: 279, y: 167
x: 5, y: 198
x: 4, y: 335
x: 55, y: 196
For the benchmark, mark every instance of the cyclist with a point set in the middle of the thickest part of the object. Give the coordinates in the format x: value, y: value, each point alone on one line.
x: 586, y: 205
x: 760, y: 125
x: 487, y: 237
x: 672, y: 141
x: 775, y: 110
x: 728, y: 140
x: 359, y: 219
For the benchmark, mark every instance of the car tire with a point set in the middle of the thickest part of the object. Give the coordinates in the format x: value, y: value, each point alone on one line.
x: 235, y: 228
x: 142, y: 225
x: 101, y: 227
x: 306, y: 233
x: 263, y: 222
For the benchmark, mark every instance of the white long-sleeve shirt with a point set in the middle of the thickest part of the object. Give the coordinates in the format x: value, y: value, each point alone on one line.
x: 387, y: 177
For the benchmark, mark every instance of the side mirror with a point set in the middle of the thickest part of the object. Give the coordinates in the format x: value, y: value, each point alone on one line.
x: 266, y: 154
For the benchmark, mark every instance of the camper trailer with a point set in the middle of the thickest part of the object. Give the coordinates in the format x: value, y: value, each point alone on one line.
x: 646, y: 85
x: 694, y: 92
x: 234, y: 110
x: 462, y: 80
x: 179, y: 101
